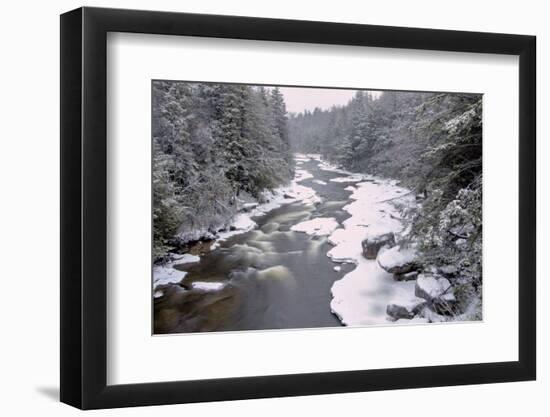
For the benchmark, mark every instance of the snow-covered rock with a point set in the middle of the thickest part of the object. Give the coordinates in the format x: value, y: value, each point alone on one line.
x: 321, y: 226
x: 405, y: 310
x: 398, y: 260
x: 372, y: 244
x: 320, y: 182
x: 432, y: 288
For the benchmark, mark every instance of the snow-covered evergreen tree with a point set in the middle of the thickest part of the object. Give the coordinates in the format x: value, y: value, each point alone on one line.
x: 210, y: 143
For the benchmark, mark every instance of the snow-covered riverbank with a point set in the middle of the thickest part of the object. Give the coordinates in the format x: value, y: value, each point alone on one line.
x: 361, y: 297
x: 242, y: 223
x: 358, y: 214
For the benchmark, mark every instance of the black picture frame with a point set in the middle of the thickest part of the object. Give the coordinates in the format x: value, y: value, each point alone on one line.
x: 84, y: 207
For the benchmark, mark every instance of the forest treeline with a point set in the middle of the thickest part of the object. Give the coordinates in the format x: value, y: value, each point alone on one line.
x: 214, y: 146
x: 432, y: 142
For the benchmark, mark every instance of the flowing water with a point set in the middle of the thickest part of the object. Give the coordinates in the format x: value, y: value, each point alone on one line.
x: 273, y: 278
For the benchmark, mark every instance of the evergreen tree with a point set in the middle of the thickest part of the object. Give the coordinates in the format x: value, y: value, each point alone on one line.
x: 212, y: 142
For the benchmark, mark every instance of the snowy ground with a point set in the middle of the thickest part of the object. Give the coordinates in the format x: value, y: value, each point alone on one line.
x: 167, y: 274
x: 361, y: 296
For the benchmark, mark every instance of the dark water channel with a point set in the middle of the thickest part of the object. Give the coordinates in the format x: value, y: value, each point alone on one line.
x: 274, y: 278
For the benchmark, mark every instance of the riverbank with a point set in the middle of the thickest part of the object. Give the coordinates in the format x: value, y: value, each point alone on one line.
x: 330, y: 248
x: 168, y: 273
x: 389, y: 283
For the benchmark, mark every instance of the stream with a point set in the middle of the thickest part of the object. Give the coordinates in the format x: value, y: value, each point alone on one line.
x: 270, y: 277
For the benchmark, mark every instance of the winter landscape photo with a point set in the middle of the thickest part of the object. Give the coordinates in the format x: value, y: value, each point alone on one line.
x: 279, y: 207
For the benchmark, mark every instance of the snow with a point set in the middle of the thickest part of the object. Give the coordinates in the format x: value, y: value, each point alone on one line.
x: 207, y: 286
x: 241, y: 224
x: 306, y: 157
x: 347, y: 243
x: 165, y: 274
x: 280, y: 196
x: 197, y: 234
x: 314, y: 156
x: 395, y: 257
x: 327, y: 166
x: 303, y: 194
x: 320, y: 182
x: 416, y: 320
x: 301, y: 175
x: 321, y: 226
x: 185, y: 258
x: 430, y: 287
x: 351, y: 178
x: 362, y: 295
x: 337, y: 268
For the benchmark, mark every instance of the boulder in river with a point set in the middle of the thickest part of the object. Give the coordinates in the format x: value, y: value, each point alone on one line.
x: 372, y: 245
x: 398, y: 260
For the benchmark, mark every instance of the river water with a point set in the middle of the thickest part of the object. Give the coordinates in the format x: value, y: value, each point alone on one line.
x: 267, y: 278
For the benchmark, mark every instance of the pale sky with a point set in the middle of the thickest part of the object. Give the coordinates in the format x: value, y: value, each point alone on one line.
x: 298, y: 99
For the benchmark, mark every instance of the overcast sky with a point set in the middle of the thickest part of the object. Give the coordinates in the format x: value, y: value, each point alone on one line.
x: 298, y: 99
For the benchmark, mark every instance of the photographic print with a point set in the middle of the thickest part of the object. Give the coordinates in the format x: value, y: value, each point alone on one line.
x: 280, y: 207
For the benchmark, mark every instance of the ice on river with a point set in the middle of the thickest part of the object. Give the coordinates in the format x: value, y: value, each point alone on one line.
x: 362, y: 295
x: 165, y: 274
x: 321, y: 226
x: 208, y: 286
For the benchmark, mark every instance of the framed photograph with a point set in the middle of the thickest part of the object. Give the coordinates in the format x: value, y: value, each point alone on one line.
x: 256, y: 208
